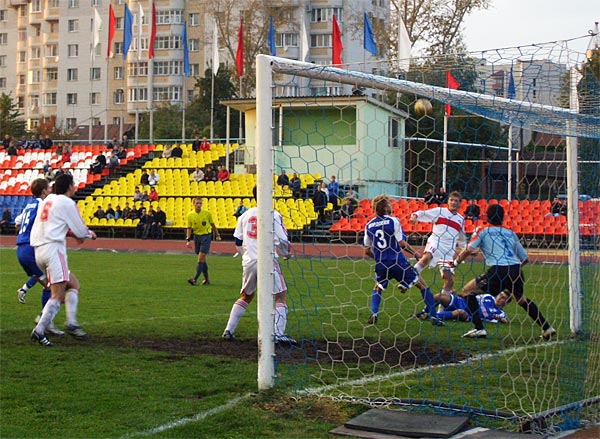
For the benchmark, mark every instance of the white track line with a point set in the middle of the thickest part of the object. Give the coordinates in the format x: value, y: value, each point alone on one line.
x: 198, y: 417
x: 376, y: 378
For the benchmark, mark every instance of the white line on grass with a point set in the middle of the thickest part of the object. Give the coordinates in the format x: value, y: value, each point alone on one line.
x: 376, y: 378
x: 199, y: 417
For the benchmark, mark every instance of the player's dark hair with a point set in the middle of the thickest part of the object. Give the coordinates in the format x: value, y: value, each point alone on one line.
x: 38, y: 185
x: 62, y: 183
x: 495, y: 214
x: 455, y: 194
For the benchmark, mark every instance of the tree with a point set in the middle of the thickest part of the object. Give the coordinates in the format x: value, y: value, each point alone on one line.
x: 166, y: 123
x: 9, y: 117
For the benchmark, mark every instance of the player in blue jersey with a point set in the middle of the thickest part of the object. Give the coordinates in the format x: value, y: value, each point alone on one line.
x: 455, y: 307
x: 25, y: 252
x: 384, y: 241
x: 504, y: 255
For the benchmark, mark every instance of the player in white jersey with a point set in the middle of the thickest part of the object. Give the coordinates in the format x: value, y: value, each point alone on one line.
x: 245, y: 235
x: 446, y: 236
x: 58, y: 215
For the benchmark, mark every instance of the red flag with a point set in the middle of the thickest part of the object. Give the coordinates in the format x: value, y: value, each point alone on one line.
x: 112, y: 24
x: 239, y: 56
x: 452, y: 83
x: 152, y: 32
x: 336, y: 58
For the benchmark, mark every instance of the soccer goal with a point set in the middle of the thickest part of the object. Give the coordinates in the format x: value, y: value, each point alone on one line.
x: 511, y: 127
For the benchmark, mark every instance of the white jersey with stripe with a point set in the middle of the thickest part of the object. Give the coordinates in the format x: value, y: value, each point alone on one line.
x: 56, y: 215
x: 246, y: 231
x: 448, y: 228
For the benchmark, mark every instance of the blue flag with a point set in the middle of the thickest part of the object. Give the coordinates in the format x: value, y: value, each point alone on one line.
x: 127, y: 31
x: 186, y: 51
x: 511, y: 92
x: 272, y: 47
x: 369, y: 38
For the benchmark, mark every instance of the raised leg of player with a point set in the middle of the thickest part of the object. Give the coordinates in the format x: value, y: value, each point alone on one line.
x: 71, y: 302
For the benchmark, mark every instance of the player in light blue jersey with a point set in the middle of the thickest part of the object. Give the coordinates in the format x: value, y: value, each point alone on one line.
x: 384, y: 241
x: 25, y: 252
x: 504, y: 255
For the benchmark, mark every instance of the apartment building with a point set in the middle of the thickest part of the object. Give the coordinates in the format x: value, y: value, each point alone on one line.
x: 56, y: 70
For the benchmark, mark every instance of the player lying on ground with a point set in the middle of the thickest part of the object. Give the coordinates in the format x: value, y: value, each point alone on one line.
x: 455, y: 307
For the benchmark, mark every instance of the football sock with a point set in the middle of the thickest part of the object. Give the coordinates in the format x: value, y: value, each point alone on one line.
x: 473, y: 306
x: 48, y: 314
x: 281, y: 311
x: 199, y: 270
x: 419, y: 266
x: 71, y: 301
x: 237, y: 311
x: 375, y: 301
x: 29, y: 284
x: 445, y: 315
x: 429, y: 302
x: 534, y: 313
x: 46, y: 294
x: 205, y: 270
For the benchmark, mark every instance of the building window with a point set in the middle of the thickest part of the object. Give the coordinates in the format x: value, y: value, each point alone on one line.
x: 95, y: 74
x: 195, y: 19
x: 2, y: 82
x: 71, y: 98
x: 73, y: 4
x: 195, y: 69
x: 120, y: 24
x: 167, y: 42
x: 36, y: 76
x: 52, y: 74
x: 116, y: 121
x: 3, y: 14
x: 167, y: 68
x: 326, y: 91
x: 138, y: 94
x: 4, y: 39
x: 21, y: 80
x: 22, y: 56
x: 321, y: 40
x: 2, y: 60
x: 72, y: 75
x: 22, y: 35
x: 73, y: 26
x: 35, y: 52
x: 119, y: 96
x: 96, y: 3
x: 118, y: 73
x: 194, y: 45
x: 173, y: 16
x: 50, y: 99
x: 96, y: 121
x: 394, y: 129
x: 51, y: 50
x: 137, y: 69
x: 34, y: 102
x: 71, y: 123
x: 167, y: 94
x: 118, y: 48
x: 36, y: 6
x: 286, y: 40
x: 54, y: 3
x: 325, y: 14
x: 95, y: 98
x: 72, y: 50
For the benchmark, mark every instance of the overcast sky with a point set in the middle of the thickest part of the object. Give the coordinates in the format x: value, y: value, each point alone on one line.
x: 510, y: 23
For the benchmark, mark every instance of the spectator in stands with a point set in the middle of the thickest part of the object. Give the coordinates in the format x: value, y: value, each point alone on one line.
x: 320, y: 199
x: 347, y: 209
x: 167, y: 152
x: 295, y: 186
x: 198, y: 175
x: 557, y: 208
x: 353, y: 196
x: 110, y: 212
x: 120, y: 152
x: 473, y: 211
x: 96, y: 167
x: 223, y: 174
x: 177, y: 152
x: 21, y: 143
x: 113, y: 161
x: 48, y: 171
x: 441, y: 197
x: 6, y: 220
x: 240, y: 209
x: 124, y: 141
x: 66, y: 153
x: 126, y: 211
x: 119, y: 212
x: 102, y: 160
x: 210, y: 174
x: 46, y: 142
x: 112, y: 143
x: 333, y: 188
x: 153, y: 195
x: 145, y: 196
x: 153, y: 178
x: 137, y: 195
x: 12, y: 149
x: 429, y: 196
x: 99, y: 213
x: 196, y: 144
x: 145, y: 178
x: 159, y: 220
x: 283, y: 179
x: 140, y: 228
x: 6, y: 141
x: 204, y: 145
x: 33, y: 143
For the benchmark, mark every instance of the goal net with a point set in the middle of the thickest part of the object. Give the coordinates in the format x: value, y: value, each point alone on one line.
x: 517, y: 127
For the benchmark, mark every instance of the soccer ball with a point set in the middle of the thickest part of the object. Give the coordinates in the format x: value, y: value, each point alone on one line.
x: 423, y: 107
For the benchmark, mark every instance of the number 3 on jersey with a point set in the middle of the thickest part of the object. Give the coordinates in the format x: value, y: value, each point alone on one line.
x: 380, y: 240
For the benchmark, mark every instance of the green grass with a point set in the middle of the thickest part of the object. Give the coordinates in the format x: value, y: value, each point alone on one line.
x: 155, y: 356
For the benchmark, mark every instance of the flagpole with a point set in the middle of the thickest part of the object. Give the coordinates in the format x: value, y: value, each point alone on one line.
x: 106, y: 99
x: 510, y: 163
x: 445, y: 151
x: 212, y: 103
